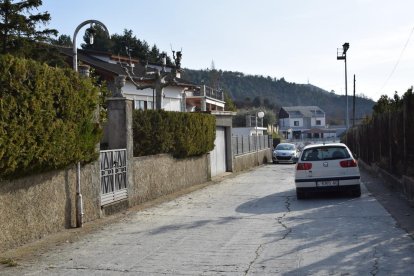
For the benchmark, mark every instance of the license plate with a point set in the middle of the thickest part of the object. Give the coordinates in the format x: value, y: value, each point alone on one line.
x: 327, y: 183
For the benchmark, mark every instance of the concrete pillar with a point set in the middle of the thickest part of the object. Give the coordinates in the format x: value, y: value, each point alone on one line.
x: 118, y: 130
x: 203, y: 104
x: 184, y: 102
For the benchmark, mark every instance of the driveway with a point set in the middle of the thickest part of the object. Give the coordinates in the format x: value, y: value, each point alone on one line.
x: 247, y: 224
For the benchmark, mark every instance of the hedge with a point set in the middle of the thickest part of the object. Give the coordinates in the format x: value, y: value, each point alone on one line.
x: 180, y: 134
x: 46, y: 117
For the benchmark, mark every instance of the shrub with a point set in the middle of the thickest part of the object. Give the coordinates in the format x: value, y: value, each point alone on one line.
x: 177, y: 133
x: 46, y: 117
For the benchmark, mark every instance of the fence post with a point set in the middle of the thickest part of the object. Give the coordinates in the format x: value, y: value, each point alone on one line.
x: 390, y: 142
x: 242, y: 144
x: 405, y: 136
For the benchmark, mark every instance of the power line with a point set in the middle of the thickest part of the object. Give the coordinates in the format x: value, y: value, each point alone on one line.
x: 399, y: 59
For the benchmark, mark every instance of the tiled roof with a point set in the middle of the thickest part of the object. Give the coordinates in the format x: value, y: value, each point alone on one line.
x: 115, y: 68
x: 304, y: 111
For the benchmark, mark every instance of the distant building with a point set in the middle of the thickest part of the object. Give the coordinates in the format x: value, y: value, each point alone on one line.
x: 254, y: 126
x: 304, y: 122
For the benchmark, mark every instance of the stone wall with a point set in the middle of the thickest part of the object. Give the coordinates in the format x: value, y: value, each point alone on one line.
x: 158, y: 175
x: 38, y: 205
x: 249, y: 160
x: 405, y: 184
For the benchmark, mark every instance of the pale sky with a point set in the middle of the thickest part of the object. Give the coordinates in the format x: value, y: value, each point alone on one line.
x: 294, y: 39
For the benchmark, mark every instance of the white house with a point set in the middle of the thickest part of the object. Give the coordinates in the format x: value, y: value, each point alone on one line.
x: 304, y: 122
x: 180, y: 95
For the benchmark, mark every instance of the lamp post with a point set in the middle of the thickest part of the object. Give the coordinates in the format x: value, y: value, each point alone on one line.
x: 79, y: 202
x: 341, y: 55
x: 75, y: 49
x: 260, y: 115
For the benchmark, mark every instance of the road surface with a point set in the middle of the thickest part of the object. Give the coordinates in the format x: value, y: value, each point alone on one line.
x: 247, y: 224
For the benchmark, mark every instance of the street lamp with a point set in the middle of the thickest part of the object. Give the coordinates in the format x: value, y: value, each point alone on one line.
x: 341, y: 55
x: 79, y: 202
x: 91, y: 38
x: 260, y: 115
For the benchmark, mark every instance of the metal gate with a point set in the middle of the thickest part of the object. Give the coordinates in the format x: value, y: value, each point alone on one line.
x: 218, y: 154
x: 113, y: 175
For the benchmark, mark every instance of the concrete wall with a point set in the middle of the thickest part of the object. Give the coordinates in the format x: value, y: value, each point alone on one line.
x: 249, y: 160
x: 405, y: 184
x: 158, y: 175
x: 35, y: 206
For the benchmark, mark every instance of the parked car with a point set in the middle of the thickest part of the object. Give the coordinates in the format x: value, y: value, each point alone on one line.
x: 327, y: 167
x: 285, y: 153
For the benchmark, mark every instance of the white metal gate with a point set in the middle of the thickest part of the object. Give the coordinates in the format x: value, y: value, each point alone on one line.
x: 113, y: 175
x: 218, y: 155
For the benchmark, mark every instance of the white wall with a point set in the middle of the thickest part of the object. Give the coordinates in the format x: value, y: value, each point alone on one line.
x: 284, y: 122
x: 171, y: 101
x: 292, y: 120
x: 313, y: 121
x: 246, y: 131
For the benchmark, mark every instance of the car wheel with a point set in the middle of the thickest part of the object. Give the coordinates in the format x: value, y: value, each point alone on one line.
x: 356, y: 192
x: 300, y: 194
x: 275, y: 162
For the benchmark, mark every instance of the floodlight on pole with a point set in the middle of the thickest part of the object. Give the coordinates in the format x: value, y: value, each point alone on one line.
x: 341, y: 55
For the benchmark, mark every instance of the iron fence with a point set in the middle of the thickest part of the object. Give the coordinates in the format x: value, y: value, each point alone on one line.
x: 246, y: 144
x: 386, y: 140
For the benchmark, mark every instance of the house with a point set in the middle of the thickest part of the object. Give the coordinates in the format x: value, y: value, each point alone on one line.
x: 304, y: 122
x: 159, y: 86
x: 254, y: 126
x: 138, y: 85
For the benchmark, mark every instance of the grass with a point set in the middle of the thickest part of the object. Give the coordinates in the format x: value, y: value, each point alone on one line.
x: 8, y: 262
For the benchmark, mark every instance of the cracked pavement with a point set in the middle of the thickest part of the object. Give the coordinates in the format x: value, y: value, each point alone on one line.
x: 247, y: 224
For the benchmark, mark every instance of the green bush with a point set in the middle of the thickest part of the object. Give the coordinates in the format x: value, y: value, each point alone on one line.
x: 46, y: 117
x: 180, y: 134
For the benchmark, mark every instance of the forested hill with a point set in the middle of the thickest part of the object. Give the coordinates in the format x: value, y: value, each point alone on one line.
x: 274, y: 93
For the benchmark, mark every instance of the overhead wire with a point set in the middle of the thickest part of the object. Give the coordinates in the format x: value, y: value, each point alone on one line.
x: 398, y: 60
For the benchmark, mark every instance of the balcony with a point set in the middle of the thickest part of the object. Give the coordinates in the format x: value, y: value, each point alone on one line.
x: 206, y: 91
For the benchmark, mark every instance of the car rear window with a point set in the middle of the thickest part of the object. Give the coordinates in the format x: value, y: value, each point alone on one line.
x: 325, y: 153
x: 285, y: 147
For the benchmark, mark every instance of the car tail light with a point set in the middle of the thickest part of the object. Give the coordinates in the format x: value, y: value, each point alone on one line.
x: 303, y: 166
x: 348, y: 163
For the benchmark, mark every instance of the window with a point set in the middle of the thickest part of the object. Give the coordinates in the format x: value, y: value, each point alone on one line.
x: 296, y: 123
x: 318, y: 122
x: 143, y: 105
x: 325, y: 153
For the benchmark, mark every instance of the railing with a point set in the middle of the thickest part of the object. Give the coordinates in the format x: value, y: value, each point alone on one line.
x: 246, y: 144
x: 315, y: 140
x: 209, y: 92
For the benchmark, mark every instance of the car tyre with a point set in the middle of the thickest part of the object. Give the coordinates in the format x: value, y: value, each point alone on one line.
x: 300, y: 194
x: 275, y: 162
x: 356, y: 192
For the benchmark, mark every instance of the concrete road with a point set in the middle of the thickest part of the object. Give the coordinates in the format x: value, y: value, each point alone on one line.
x: 248, y: 224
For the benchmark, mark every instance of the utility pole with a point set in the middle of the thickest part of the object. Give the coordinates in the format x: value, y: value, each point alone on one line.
x: 353, y: 107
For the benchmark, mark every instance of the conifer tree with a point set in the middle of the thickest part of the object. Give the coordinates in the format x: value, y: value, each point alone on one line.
x: 19, y: 26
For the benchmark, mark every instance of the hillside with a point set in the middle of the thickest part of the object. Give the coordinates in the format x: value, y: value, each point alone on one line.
x: 278, y: 92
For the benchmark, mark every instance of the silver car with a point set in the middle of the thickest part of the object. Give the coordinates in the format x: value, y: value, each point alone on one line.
x: 285, y: 153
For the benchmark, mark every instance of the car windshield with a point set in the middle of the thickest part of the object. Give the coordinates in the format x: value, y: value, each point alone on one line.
x: 285, y: 147
x: 325, y: 153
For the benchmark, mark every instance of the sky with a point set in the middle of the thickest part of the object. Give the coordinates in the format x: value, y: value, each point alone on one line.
x: 295, y: 39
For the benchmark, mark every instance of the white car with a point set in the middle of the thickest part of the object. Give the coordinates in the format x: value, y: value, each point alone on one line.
x: 327, y: 167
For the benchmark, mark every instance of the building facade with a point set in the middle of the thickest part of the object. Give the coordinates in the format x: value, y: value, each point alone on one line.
x: 304, y: 122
